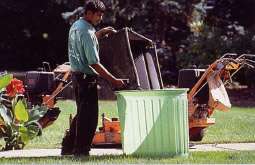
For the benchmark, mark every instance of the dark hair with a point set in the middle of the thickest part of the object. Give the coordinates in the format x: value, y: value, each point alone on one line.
x: 94, y: 6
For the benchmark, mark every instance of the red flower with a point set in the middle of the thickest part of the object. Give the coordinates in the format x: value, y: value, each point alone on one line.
x: 15, y: 87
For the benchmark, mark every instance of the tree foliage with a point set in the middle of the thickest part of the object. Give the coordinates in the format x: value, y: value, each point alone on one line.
x: 187, y: 32
x: 227, y: 27
x: 31, y: 32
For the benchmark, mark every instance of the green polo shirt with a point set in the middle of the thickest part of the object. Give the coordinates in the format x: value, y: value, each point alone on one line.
x: 83, y: 47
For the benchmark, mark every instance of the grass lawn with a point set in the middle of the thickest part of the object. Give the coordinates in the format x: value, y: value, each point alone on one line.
x: 234, y: 126
x: 52, y: 135
x: 237, y: 125
x: 194, y: 157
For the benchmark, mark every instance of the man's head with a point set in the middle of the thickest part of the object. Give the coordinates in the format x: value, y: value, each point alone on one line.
x: 94, y: 11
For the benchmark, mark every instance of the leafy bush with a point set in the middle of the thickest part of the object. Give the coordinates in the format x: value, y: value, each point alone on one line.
x: 18, y: 123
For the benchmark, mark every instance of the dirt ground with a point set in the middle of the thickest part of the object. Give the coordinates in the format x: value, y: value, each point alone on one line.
x: 243, y: 97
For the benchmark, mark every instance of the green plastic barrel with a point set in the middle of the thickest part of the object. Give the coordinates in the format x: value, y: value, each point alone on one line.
x: 155, y: 122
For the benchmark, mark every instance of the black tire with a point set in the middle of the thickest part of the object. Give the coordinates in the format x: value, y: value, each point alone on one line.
x: 196, y: 133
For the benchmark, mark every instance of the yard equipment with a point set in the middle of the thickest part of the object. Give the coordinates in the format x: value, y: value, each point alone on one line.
x: 108, y: 134
x: 207, y: 93
x: 43, y: 86
x: 27, y: 106
x: 131, y: 56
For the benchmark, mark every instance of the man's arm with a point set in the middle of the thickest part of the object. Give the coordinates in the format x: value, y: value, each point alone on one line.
x: 103, y: 72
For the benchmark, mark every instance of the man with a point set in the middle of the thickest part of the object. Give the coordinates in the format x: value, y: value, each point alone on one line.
x: 85, y: 64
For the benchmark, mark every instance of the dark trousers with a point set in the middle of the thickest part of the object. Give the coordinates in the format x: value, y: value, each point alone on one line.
x: 84, y: 124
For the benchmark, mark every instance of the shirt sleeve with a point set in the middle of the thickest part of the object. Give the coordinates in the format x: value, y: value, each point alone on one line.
x: 90, y: 45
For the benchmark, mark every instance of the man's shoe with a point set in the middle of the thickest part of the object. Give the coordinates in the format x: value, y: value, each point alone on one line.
x: 63, y: 153
x: 80, y: 153
x: 66, y: 151
x: 67, y: 145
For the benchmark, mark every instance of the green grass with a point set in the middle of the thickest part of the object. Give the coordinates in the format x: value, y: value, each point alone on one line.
x: 234, y: 126
x: 237, y: 125
x: 52, y: 135
x: 194, y: 157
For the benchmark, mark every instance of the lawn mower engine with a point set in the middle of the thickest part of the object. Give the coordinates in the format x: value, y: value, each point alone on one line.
x: 41, y: 89
x: 39, y: 84
x: 187, y: 79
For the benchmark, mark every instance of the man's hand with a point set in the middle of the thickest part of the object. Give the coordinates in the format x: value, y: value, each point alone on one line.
x: 105, y: 31
x: 103, y: 72
x: 108, y: 30
x: 118, y: 83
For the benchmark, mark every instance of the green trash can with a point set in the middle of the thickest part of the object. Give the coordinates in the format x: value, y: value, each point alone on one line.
x: 154, y: 122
